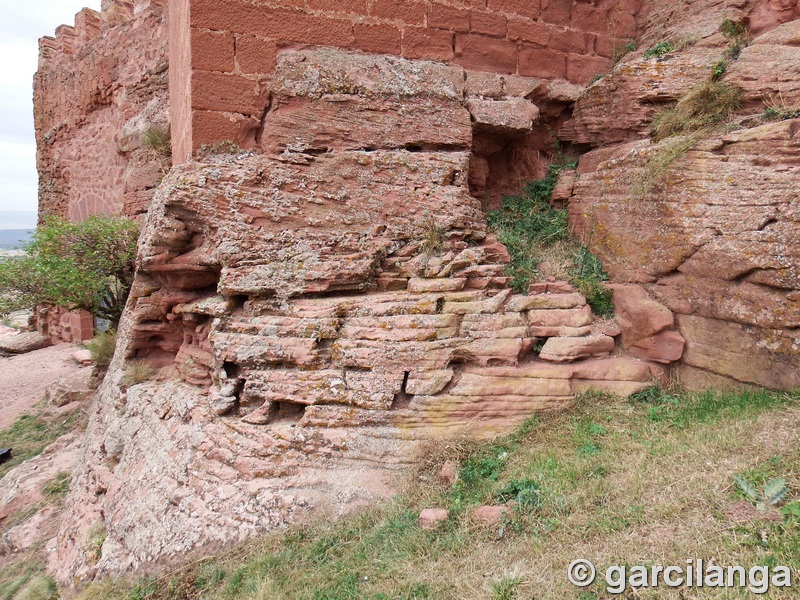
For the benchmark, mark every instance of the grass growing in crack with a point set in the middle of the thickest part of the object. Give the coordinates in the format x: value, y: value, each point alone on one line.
x: 537, y: 234
x: 702, y: 107
x: 649, y: 489
x: 137, y: 372
x: 102, y: 347
x: 30, y: 434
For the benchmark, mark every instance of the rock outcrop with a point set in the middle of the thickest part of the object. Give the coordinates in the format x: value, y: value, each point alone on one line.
x: 317, y: 309
x: 317, y: 288
x: 707, y: 224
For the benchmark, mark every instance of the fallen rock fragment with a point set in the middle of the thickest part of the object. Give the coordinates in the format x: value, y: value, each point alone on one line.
x: 23, y: 343
x: 431, y: 518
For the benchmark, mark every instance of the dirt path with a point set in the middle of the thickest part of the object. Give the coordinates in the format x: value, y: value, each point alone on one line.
x: 23, y: 378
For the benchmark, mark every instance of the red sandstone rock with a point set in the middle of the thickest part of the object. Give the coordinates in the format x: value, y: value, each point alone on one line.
x: 489, y: 515
x: 430, y: 518
x: 569, y: 349
x: 449, y: 472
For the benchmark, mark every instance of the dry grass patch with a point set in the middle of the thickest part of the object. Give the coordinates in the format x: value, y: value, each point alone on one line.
x: 703, y: 106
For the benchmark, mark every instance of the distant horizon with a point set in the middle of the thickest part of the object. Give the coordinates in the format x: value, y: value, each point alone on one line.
x: 18, y: 219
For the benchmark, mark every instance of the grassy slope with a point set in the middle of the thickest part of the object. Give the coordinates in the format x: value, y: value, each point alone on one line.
x: 645, y: 481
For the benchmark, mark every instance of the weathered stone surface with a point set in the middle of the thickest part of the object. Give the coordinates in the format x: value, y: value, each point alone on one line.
x: 321, y: 309
x: 569, y: 349
x: 719, y: 247
x: 22, y: 343
x: 513, y: 117
x: 489, y: 515
x: 546, y: 302
x: 72, y: 389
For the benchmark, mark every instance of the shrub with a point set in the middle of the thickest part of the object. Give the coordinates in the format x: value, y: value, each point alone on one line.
x: 703, y: 106
x: 776, y: 109
x: 736, y: 34
x: 621, y: 50
x: 719, y: 70
x: 87, y: 265
x: 660, y: 49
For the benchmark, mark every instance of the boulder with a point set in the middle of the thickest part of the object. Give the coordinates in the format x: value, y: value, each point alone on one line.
x: 23, y: 343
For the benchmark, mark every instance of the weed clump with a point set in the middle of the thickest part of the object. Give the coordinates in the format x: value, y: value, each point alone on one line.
x: 736, y: 34
x: 102, y: 346
x: 660, y: 49
x: 158, y: 141
x: 431, y: 237
x: 136, y: 373
x: 534, y: 233
x: 703, y: 106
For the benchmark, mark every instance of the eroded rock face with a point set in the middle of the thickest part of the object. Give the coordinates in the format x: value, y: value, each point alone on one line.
x: 713, y: 236
x: 316, y: 310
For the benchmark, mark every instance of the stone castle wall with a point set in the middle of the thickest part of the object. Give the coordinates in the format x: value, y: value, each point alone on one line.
x: 224, y: 53
x: 100, y: 86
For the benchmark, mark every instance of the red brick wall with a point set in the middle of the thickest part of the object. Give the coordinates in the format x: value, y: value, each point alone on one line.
x: 100, y: 84
x: 229, y: 47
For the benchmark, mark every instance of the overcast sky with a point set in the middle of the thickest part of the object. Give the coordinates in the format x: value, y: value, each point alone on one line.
x: 25, y: 23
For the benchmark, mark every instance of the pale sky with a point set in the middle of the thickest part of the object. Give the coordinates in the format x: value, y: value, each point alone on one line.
x: 25, y: 23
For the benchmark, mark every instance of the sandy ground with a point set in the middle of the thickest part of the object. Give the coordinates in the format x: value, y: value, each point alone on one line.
x: 24, y: 378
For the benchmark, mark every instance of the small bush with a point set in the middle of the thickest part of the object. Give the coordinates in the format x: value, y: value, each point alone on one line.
x: 78, y: 265
x: 736, y: 34
x: 776, y: 109
x: 102, y: 347
x: 703, y: 106
x: 660, y: 49
x: 719, y: 70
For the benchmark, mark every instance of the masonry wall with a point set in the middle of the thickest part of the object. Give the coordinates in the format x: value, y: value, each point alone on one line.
x: 224, y: 52
x: 101, y: 85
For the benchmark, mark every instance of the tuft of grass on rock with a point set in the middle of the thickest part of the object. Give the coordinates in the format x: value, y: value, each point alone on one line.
x: 702, y: 107
x: 137, y: 372
x: 102, y: 347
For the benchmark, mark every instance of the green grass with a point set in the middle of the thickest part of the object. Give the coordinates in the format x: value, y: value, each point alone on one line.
x: 30, y: 434
x: 534, y: 233
x: 27, y: 581
x: 605, y: 481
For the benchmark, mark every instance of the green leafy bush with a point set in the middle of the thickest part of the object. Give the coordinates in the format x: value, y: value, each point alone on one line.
x: 736, y: 34
x: 87, y: 265
x: 660, y: 49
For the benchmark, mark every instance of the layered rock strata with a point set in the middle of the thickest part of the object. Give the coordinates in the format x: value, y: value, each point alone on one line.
x: 318, y: 309
x: 708, y: 222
